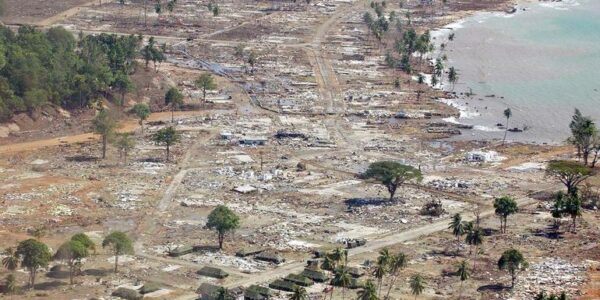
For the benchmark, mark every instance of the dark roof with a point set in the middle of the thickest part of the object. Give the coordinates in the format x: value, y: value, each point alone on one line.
x: 315, y: 275
x: 213, y: 272
x: 249, y: 251
x: 256, y: 292
x: 209, y: 291
x: 282, y: 285
x: 271, y: 257
x: 299, y: 279
x: 179, y: 251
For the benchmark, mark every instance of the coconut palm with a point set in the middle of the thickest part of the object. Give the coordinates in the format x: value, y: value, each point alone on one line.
x: 11, y: 260
x: 507, y: 114
x: 379, y: 272
x: 368, y: 292
x: 458, y: 229
x: 299, y: 293
x: 463, y: 273
x: 342, y: 278
x: 417, y: 284
x: 397, y: 263
x: 452, y: 77
x: 513, y: 261
x: 474, y: 238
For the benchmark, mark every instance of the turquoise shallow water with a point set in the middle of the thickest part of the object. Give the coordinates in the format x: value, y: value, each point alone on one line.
x: 542, y: 63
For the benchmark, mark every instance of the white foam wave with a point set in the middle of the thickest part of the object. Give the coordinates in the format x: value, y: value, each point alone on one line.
x: 560, y: 5
x: 486, y: 128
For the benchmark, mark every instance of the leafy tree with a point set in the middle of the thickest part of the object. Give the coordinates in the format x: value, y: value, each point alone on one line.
x: 543, y: 296
x: 119, y: 244
x: 142, y: 112
x: 124, y: 142
x: 71, y: 252
x: 252, y: 59
x: 566, y: 204
x: 392, y: 175
x: 205, y: 82
x: 417, y: 284
x: 584, y: 135
x: 452, y: 76
x: 504, y: 207
x: 166, y: 136
x: 474, y: 237
x: 123, y: 85
x: 33, y: 255
x: 104, y: 125
x: 458, y: 229
x: 223, y: 294
x: 299, y: 293
x: 379, y: 272
x: 368, y: 292
x: 463, y: 273
x: 174, y: 98
x: 223, y: 220
x: 11, y: 259
x: 85, y: 240
x: 10, y: 286
x: 570, y: 173
x: 507, y: 115
x: 513, y: 261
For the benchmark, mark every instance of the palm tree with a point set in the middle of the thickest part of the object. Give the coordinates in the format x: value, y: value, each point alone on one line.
x: 474, y: 238
x: 368, y: 292
x: 513, y: 261
x: 463, y: 273
x: 417, y: 284
x: 379, y: 272
x: 458, y: 229
x: 299, y: 293
x: 507, y: 114
x: 452, y: 76
x: 11, y: 260
x: 398, y: 262
x: 342, y: 278
x: 222, y: 294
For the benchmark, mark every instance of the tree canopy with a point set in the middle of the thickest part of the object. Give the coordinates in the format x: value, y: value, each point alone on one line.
x: 166, y: 136
x: 34, y: 255
x: 513, y: 261
x: 119, y: 243
x: 570, y: 173
x: 392, y: 175
x: 504, y: 207
x: 223, y: 220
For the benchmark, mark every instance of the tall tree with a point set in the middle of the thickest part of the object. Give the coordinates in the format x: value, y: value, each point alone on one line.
x: 299, y: 293
x: 104, y: 124
x: 504, y: 207
x: 71, y: 252
x: 119, y: 244
x: 458, y: 229
x: 174, y: 98
x: 122, y: 84
x: 392, y: 175
x: 417, y: 284
x: 124, y: 143
x: 463, y: 273
x: 567, y: 204
x: 452, y: 77
x: 33, y: 255
x: 142, y: 112
x: 223, y: 220
x: 474, y: 237
x: 583, y: 135
x: 507, y: 115
x: 205, y: 82
x: 397, y: 263
x: 513, y: 261
x: 368, y: 292
x: 168, y: 137
x: 11, y: 259
x: 570, y: 173
x: 342, y: 278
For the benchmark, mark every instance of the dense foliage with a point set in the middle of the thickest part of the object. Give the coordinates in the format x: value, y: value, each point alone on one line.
x: 38, y: 67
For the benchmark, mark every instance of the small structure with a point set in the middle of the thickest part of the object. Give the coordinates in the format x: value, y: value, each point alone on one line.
x: 257, y: 292
x: 270, y: 257
x: 353, y: 243
x: 356, y: 272
x: 213, y: 272
x: 482, y: 156
x: 226, y: 135
x: 256, y: 141
x: 299, y: 279
x: 209, y: 291
x: 179, y: 251
x: 245, y: 189
x: 315, y: 275
x: 283, y: 285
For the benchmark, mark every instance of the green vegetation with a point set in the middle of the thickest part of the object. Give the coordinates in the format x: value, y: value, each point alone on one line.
x: 33, y: 255
x: 205, y: 82
x: 119, y: 243
x: 124, y: 143
x: 463, y: 273
x: 71, y: 252
x: 166, y: 136
x: 513, y: 261
x: 299, y: 293
x: 504, y: 207
x: 417, y: 284
x: 584, y: 136
x: 223, y: 220
x: 507, y: 114
x: 570, y: 173
x: 142, y: 112
x: 567, y: 205
x: 174, y: 98
x: 458, y: 229
x: 105, y: 124
x: 392, y: 174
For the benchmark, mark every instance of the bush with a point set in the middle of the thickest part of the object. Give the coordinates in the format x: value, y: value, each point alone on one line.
x: 433, y: 208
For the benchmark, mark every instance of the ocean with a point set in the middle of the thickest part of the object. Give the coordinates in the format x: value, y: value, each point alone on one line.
x: 541, y: 62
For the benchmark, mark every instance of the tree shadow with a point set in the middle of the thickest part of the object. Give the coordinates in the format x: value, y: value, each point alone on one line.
x: 97, y: 272
x: 551, y: 232
x: 361, y: 202
x: 497, y: 287
x: 49, y: 285
x: 206, y: 248
x: 81, y: 158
